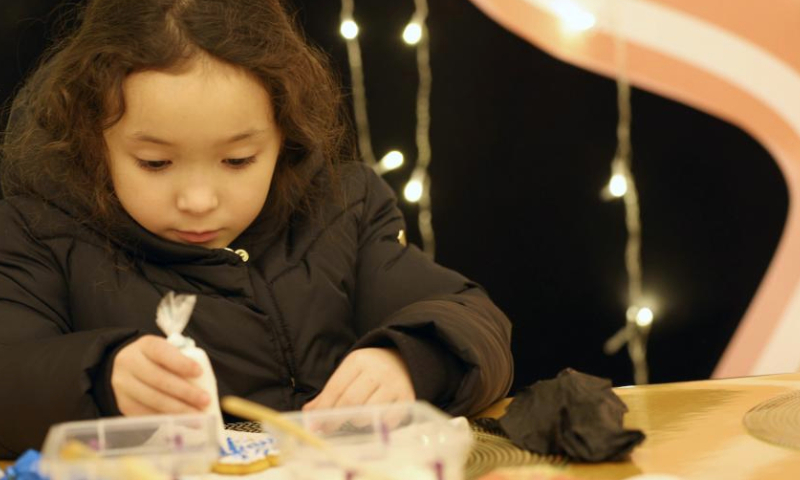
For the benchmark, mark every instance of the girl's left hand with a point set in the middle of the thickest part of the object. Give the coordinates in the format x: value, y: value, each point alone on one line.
x: 366, y: 376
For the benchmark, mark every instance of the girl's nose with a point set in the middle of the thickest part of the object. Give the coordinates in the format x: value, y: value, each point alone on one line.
x: 197, y: 200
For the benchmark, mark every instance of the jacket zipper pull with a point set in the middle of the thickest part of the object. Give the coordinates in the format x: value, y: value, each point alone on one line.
x: 241, y: 252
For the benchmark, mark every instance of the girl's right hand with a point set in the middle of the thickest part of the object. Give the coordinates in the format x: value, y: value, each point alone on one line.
x: 151, y: 376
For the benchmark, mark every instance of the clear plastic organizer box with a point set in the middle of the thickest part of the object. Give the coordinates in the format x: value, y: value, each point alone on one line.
x: 124, y: 448
x: 406, y: 441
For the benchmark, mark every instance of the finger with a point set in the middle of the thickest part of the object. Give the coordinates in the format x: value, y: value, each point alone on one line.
x: 379, y: 395
x: 358, y: 391
x: 382, y: 396
x: 170, y: 357
x: 130, y: 407
x: 392, y: 417
x: 337, y: 384
x: 154, y: 399
x: 170, y: 384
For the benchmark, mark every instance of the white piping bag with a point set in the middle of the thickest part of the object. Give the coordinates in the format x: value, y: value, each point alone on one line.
x: 172, y: 316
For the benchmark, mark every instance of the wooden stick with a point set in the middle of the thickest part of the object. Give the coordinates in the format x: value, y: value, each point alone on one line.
x: 254, y: 411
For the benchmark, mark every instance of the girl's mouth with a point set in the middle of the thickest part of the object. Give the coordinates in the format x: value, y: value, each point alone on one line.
x: 197, y: 237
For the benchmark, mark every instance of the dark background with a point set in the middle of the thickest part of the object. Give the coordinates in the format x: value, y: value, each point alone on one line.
x: 522, y: 145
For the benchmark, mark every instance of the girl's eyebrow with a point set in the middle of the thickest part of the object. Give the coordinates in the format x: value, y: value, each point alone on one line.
x: 145, y: 137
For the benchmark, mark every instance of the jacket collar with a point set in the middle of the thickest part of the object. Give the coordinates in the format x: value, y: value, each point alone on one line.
x: 144, y: 245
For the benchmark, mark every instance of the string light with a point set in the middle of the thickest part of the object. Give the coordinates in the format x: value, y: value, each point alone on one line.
x: 349, y: 29
x: 618, y: 185
x: 391, y: 161
x: 412, y: 34
x: 414, y: 190
x: 574, y: 17
x: 417, y: 190
x: 639, y: 318
x: 425, y: 213
x: 357, y: 79
x: 644, y: 317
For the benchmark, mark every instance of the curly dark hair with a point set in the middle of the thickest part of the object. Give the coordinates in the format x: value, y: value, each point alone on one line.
x: 55, y: 136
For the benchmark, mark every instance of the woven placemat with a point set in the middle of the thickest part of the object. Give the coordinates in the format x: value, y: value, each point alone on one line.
x: 491, y: 450
x: 253, y: 427
x: 776, y: 420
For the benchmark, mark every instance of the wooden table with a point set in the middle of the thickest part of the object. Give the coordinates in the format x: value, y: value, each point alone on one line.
x: 695, y: 431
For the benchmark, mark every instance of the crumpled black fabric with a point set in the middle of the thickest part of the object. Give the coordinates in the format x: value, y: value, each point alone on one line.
x: 574, y: 415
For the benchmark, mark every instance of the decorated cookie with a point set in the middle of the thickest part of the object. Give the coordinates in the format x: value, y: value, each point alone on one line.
x: 245, y: 453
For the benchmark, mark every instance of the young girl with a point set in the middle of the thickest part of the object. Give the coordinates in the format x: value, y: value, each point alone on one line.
x: 197, y: 146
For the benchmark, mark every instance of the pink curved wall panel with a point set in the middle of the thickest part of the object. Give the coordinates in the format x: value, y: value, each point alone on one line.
x: 736, y: 59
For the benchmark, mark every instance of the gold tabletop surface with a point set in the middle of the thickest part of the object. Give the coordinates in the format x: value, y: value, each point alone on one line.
x: 695, y: 431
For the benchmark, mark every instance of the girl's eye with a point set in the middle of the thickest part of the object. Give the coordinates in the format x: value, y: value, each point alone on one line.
x: 153, y: 165
x: 239, y: 162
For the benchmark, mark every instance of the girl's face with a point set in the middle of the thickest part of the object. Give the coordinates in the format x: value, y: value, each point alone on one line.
x: 192, y: 158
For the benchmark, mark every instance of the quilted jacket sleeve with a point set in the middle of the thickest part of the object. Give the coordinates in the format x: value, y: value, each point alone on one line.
x: 46, y: 371
x: 445, y: 326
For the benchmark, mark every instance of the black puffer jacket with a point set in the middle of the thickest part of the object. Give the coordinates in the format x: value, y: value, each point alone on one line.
x: 275, y: 326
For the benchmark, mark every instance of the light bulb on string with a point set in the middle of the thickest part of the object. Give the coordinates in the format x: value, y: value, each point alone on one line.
x: 412, y: 34
x: 415, y: 188
x: 618, y: 185
x: 413, y: 191
x: 642, y: 316
x: 574, y: 17
x: 616, y: 188
x: 391, y: 161
x: 349, y: 29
